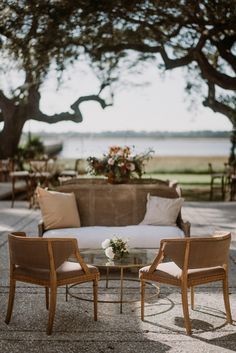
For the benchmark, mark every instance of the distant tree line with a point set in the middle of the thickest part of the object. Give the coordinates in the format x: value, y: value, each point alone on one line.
x: 138, y: 134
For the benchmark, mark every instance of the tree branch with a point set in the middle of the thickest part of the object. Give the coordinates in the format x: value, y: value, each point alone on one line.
x: 212, y: 75
x: 76, y: 117
x: 174, y: 63
x: 219, y: 107
x: 224, y: 48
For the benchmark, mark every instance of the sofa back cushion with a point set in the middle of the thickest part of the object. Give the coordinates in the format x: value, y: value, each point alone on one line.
x: 161, y: 211
x: 59, y: 210
x: 103, y: 204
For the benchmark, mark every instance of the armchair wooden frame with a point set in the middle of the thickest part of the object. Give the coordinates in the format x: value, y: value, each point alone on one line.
x: 200, y: 260
x: 48, y: 256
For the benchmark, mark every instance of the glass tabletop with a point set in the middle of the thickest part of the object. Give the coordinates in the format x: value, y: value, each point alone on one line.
x: 135, y: 258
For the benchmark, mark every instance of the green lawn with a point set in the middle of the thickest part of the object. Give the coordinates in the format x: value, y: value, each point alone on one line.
x: 184, y: 179
x: 191, y: 173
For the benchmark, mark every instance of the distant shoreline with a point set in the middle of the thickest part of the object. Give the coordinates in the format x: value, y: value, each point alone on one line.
x: 81, y: 145
x: 134, y: 134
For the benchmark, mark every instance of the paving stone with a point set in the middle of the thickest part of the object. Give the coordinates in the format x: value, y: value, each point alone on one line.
x: 163, y: 327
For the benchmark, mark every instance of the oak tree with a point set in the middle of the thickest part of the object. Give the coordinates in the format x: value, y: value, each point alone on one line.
x: 197, y: 36
x: 37, y: 37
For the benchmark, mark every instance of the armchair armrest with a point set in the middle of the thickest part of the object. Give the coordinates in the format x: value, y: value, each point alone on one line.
x: 41, y: 228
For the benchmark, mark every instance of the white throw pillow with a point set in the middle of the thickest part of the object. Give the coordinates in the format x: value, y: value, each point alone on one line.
x: 59, y: 210
x: 161, y: 211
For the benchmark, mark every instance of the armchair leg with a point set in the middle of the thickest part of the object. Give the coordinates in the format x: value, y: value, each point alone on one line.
x: 226, y: 301
x: 192, y: 298
x: 95, y: 299
x: 47, y: 297
x: 142, y: 288
x: 52, y: 308
x: 184, y: 293
x: 10, y: 300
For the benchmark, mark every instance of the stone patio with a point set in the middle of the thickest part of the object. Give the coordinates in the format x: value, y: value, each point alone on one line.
x: 163, y: 328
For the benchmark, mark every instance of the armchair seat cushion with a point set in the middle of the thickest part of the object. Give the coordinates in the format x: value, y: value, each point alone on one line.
x: 67, y: 270
x: 169, y: 270
x: 72, y: 269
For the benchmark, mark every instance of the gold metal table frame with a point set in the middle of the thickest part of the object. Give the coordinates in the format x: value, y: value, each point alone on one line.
x: 137, y: 258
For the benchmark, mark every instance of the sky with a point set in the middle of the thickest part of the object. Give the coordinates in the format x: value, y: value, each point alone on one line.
x: 160, y: 105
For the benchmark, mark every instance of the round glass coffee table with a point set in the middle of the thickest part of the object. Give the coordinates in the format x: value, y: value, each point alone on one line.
x: 136, y: 258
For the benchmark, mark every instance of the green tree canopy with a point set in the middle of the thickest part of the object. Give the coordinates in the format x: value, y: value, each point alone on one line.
x: 36, y: 36
x: 197, y: 35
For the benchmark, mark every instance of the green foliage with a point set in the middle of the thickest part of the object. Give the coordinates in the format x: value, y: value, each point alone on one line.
x: 32, y: 149
x: 114, y: 36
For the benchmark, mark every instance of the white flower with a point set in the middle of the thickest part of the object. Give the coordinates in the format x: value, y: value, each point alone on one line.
x: 109, y: 253
x: 130, y: 166
x: 106, y: 243
x: 111, y: 161
x: 120, y: 164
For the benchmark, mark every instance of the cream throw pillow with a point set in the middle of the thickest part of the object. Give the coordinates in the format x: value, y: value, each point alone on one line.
x: 59, y: 210
x: 161, y: 211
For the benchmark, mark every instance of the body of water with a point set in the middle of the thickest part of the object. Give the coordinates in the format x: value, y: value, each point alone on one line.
x: 83, y: 147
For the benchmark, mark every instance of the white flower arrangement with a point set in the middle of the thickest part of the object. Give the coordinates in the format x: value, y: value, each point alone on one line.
x: 115, y: 248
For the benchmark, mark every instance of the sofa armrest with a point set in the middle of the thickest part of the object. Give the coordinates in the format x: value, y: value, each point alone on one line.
x: 41, y: 228
x: 185, y: 226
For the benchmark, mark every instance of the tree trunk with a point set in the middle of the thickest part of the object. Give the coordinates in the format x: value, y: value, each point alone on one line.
x: 232, y: 157
x: 11, y: 133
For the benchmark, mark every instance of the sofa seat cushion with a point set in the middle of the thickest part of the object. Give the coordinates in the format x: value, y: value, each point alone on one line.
x: 138, y: 236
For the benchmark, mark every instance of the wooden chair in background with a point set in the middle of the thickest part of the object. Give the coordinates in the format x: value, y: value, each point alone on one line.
x: 18, y: 175
x: 214, y: 177
x: 71, y: 173
x: 44, y: 261
x: 195, y: 261
x: 6, y: 167
x: 39, y: 175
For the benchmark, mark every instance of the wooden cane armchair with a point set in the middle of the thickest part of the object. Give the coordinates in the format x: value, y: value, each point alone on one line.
x: 44, y: 261
x: 195, y: 261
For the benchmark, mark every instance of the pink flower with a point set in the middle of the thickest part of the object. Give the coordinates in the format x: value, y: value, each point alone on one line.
x: 111, y: 161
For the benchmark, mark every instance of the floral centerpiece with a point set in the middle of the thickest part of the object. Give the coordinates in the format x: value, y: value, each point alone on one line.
x: 119, y: 164
x: 115, y: 248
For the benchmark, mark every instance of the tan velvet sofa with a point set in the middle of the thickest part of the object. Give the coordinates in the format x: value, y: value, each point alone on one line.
x: 101, y: 204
